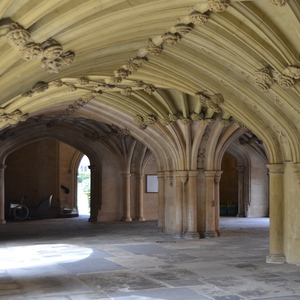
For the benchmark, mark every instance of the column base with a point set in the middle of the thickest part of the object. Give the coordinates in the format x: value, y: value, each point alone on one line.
x: 128, y: 219
x: 160, y: 229
x: 210, y: 234
x: 2, y: 222
x: 191, y: 235
x: 218, y: 232
x: 178, y: 235
x: 240, y: 215
x: 275, y: 259
x: 93, y: 219
x: 140, y: 219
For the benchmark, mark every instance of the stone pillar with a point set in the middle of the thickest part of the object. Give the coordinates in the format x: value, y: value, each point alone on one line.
x: 276, y: 172
x: 161, y: 201
x: 217, y: 199
x: 191, y: 211
x: 140, y: 197
x: 210, y: 230
x: 126, y: 197
x: 181, y: 178
x: 2, y: 194
x: 241, y: 200
x: 93, y: 196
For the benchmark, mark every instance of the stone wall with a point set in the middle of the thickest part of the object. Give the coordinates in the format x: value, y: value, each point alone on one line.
x: 33, y: 171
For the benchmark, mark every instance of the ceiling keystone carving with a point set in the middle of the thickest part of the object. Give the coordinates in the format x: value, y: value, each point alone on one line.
x: 198, y: 18
x: 154, y: 49
x: 183, y: 28
x: 263, y: 80
x: 17, y: 35
x: 170, y: 38
x: 12, y: 118
x: 53, y: 56
x: 211, y: 101
x: 218, y: 5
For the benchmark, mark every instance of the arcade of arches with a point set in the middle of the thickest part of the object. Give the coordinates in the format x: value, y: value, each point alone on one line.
x: 202, y: 93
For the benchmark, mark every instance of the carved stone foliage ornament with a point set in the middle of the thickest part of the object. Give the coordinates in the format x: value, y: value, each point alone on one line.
x: 72, y: 108
x: 17, y: 35
x: 246, y: 140
x: 186, y: 121
x: 39, y: 87
x: 12, y: 118
x: 31, y: 51
x: 149, y: 89
x: 208, y: 121
x: 211, y: 101
x: 183, y: 28
x: 197, y: 117
x: 150, y: 120
x: 225, y: 122
x: 279, y: 2
x: 165, y: 121
x: 217, y: 5
x: 127, y: 91
x: 153, y: 49
x: 134, y: 64
x: 170, y: 38
x: 123, y: 73
x: 198, y: 18
x: 115, y: 131
x: 140, y: 121
x: 263, y: 80
x: 286, y: 80
x: 54, y: 57
x: 83, y: 81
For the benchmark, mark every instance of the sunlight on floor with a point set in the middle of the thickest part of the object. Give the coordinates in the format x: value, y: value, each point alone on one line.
x: 41, y: 255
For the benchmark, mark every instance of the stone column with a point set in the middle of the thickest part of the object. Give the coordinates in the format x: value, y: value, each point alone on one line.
x: 241, y: 200
x: 140, y: 196
x: 161, y: 201
x: 210, y: 230
x: 2, y: 194
x: 126, y: 197
x: 181, y: 178
x: 217, y: 199
x: 191, y: 211
x: 276, y: 172
x: 94, y: 205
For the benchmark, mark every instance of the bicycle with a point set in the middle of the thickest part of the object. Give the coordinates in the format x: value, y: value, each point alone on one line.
x: 18, y: 210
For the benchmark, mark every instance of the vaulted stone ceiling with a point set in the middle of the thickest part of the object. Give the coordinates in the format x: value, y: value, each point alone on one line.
x: 156, y: 67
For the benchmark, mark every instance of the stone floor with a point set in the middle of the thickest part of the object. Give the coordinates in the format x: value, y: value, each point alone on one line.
x: 74, y: 259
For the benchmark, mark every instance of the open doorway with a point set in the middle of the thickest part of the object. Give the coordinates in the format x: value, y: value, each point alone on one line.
x: 84, y: 187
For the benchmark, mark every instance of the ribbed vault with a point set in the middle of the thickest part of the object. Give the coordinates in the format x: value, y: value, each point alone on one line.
x: 242, y: 53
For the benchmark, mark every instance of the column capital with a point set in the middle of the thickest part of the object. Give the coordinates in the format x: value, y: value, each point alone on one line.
x: 183, y: 175
x: 160, y: 174
x: 139, y: 176
x: 169, y: 177
x: 275, y: 168
x: 218, y: 176
x: 296, y: 167
x: 126, y: 175
x: 193, y: 173
x: 210, y: 173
